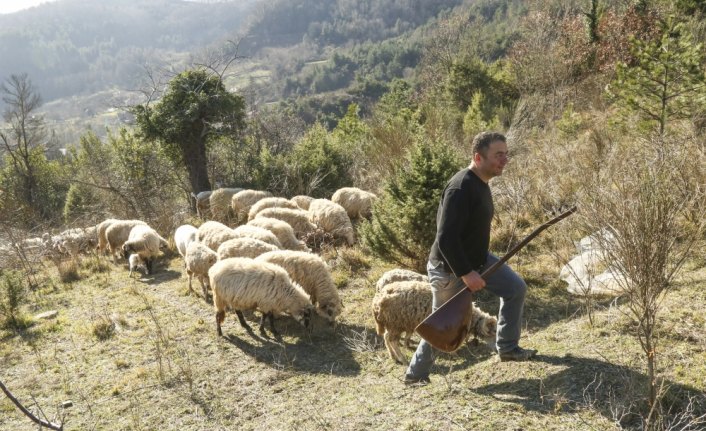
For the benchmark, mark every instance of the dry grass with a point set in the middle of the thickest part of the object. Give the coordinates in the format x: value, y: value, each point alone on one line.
x: 163, y: 367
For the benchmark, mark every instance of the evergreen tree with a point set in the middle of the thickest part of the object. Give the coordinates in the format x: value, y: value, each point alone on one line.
x: 403, y: 225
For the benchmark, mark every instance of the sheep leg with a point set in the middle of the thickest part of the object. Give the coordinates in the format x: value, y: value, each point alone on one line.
x: 272, y: 324
x: 203, y: 287
x: 220, y: 316
x: 392, y: 344
x: 241, y: 318
x: 149, y: 264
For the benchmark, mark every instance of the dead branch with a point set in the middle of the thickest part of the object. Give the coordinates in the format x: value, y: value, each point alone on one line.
x: 23, y: 409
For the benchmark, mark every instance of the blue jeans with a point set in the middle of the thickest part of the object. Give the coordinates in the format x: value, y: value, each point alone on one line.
x: 504, y: 282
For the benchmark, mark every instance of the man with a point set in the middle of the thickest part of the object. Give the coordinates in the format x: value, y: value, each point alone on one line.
x: 460, y: 252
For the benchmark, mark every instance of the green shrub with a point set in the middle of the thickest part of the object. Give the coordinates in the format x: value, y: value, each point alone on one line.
x: 12, y: 296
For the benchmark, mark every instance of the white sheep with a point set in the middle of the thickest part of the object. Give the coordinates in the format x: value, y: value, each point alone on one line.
x: 117, y: 233
x: 250, y: 231
x: 332, y: 218
x: 198, y: 260
x: 243, y: 200
x: 246, y: 284
x: 136, y: 263
x: 183, y: 236
x: 302, y: 201
x: 401, y: 306
x: 358, y: 203
x: 271, y: 202
x: 244, y: 247
x: 313, y: 275
x: 298, y: 219
x: 282, y: 230
x: 203, y: 203
x: 101, y: 229
x: 398, y: 274
x: 146, y: 242
x: 219, y: 203
x: 213, y: 233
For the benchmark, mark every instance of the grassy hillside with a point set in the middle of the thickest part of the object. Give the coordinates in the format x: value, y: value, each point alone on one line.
x: 143, y: 354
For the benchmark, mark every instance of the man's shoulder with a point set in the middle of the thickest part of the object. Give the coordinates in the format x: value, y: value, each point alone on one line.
x: 463, y: 179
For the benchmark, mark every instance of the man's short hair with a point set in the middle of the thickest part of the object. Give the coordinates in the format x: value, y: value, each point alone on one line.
x: 482, y: 141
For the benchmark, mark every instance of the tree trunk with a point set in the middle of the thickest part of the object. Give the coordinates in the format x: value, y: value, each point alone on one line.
x: 195, y: 161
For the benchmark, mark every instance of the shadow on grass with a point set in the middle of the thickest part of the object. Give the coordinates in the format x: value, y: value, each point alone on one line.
x: 161, y: 276
x: 615, y: 391
x: 323, y: 350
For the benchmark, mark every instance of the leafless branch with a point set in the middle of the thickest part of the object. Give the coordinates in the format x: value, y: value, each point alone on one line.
x: 26, y: 412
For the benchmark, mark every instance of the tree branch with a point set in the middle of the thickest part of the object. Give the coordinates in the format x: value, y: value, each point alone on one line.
x: 23, y: 409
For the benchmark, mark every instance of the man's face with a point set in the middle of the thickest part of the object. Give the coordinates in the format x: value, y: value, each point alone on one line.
x: 494, y: 160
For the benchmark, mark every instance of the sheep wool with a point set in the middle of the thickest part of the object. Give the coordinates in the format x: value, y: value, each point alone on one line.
x: 332, y: 218
x: 203, y: 203
x: 282, y: 230
x: 243, y: 200
x: 358, y: 203
x: 101, y: 229
x: 249, y: 231
x: 117, y: 233
x: 313, y: 275
x: 244, y: 247
x: 219, y: 203
x: 246, y: 284
x: 270, y: 203
x: 297, y: 219
x: 302, y: 201
x: 183, y: 236
x: 398, y: 274
x: 146, y: 242
x: 199, y: 259
x: 136, y: 263
x: 213, y: 233
x: 401, y: 306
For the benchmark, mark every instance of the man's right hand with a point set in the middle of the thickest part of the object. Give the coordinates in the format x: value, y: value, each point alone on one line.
x: 474, y: 282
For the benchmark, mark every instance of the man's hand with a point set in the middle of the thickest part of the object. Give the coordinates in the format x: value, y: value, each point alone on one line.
x: 474, y: 282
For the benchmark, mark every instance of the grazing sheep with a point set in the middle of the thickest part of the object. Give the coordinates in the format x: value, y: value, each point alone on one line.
x: 136, y: 263
x: 243, y: 200
x: 203, y: 203
x: 245, y: 284
x: 212, y: 234
x: 398, y: 274
x: 117, y: 233
x: 358, y: 203
x: 282, y: 230
x: 332, y: 218
x: 198, y: 260
x: 220, y: 204
x: 146, y: 242
x: 183, y: 236
x: 101, y: 229
x: 270, y: 203
x: 313, y: 275
x: 244, y: 247
x: 74, y: 241
x: 302, y: 201
x: 298, y: 219
x: 250, y: 231
x: 401, y: 306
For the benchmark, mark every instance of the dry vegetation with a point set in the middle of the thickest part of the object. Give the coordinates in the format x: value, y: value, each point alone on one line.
x: 143, y: 354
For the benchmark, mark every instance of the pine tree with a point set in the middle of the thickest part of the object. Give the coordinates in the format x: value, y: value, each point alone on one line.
x: 403, y: 225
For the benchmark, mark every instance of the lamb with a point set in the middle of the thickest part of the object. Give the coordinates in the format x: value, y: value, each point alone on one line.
x: 101, y: 229
x: 146, y: 242
x: 244, y: 247
x: 314, y: 276
x: 219, y: 202
x: 398, y: 274
x: 400, y: 306
x: 358, y: 203
x: 244, y: 284
x: 271, y: 202
x: 136, y: 263
x: 332, y: 218
x: 117, y: 233
x: 212, y: 234
x: 183, y: 236
x: 243, y: 200
x: 282, y: 230
x: 249, y: 231
x: 199, y: 259
x: 298, y: 219
x: 302, y: 201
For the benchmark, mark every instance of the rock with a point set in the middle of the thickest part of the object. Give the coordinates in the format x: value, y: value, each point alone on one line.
x: 47, y: 315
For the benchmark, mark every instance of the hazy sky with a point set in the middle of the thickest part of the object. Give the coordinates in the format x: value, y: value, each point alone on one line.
x: 9, y: 6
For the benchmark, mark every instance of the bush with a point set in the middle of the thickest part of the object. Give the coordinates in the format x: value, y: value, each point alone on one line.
x: 403, y: 225
x: 12, y: 296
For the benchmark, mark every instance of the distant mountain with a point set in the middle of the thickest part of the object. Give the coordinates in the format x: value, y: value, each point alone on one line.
x: 72, y: 47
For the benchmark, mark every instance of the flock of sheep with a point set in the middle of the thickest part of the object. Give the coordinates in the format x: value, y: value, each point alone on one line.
x: 263, y: 264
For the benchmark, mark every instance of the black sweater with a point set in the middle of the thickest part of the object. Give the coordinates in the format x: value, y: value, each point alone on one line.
x: 463, y: 224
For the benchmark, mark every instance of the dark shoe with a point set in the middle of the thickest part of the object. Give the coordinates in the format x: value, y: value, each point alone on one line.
x: 517, y: 354
x: 416, y: 381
